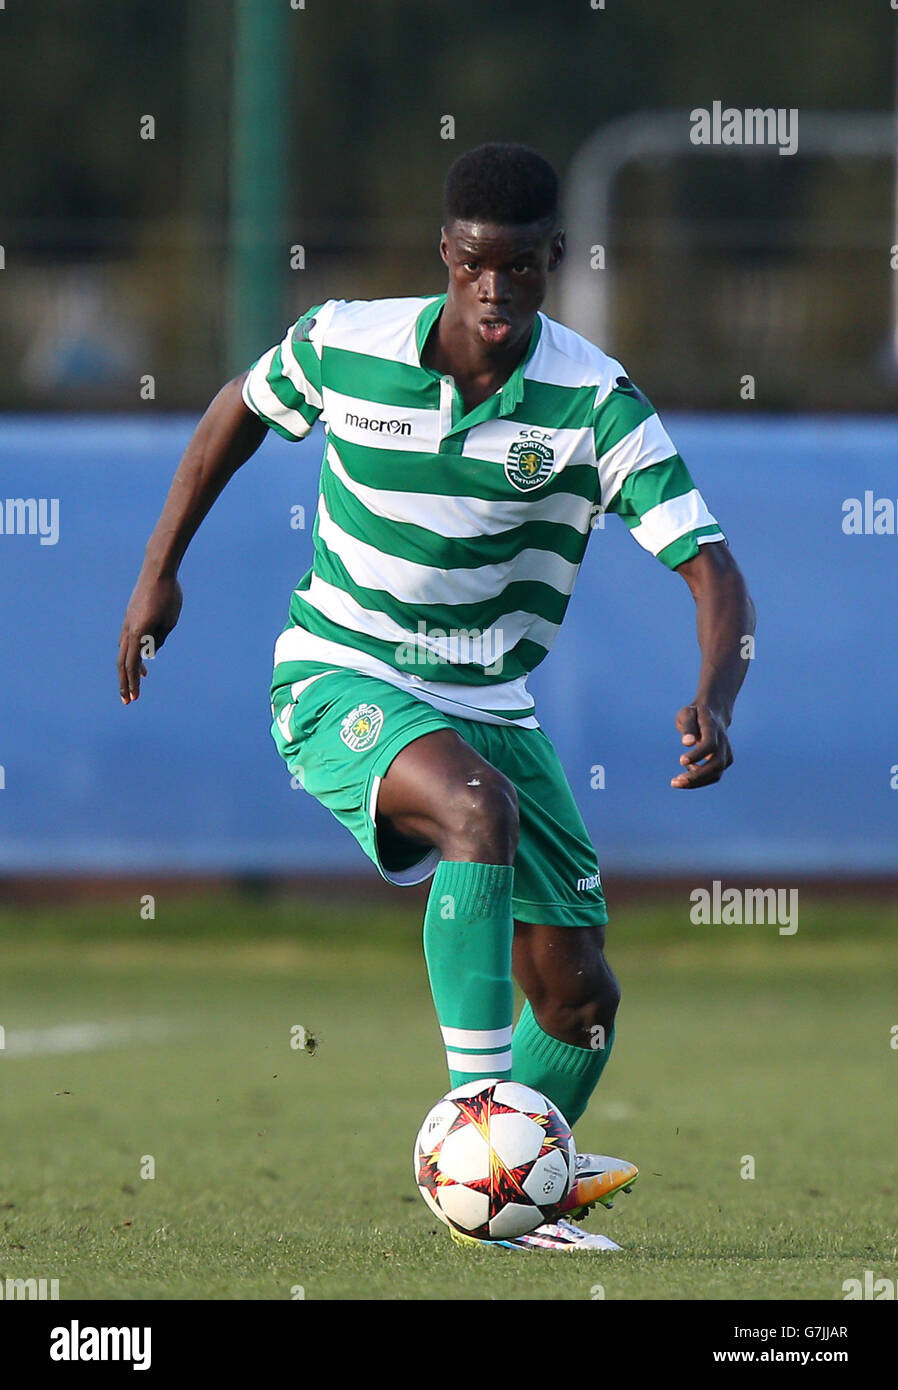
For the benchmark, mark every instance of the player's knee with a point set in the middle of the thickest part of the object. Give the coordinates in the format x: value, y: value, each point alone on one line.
x: 481, y: 819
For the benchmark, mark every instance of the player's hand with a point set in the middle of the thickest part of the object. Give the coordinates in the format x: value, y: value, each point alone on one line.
x: 708, y: 752
x: 152, y: 612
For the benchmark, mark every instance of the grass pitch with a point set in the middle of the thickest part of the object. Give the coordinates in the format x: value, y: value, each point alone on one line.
x: 282, y: 1172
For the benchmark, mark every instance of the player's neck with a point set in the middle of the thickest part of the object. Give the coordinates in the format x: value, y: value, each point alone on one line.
x: 452, y: 350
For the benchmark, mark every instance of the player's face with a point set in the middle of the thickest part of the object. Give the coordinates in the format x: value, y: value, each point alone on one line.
x: 498, y: 277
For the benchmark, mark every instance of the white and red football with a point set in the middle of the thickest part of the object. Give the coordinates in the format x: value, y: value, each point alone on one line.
x: 494, y: 1159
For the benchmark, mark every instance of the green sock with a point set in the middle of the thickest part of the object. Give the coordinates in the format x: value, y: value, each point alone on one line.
x: 568, y: 1075
x: 468, y: 930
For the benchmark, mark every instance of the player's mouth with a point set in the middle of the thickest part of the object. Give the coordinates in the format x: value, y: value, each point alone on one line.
x: 494, y: 329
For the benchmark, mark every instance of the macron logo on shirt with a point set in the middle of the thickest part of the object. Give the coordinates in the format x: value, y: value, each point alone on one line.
x: 365, y: 422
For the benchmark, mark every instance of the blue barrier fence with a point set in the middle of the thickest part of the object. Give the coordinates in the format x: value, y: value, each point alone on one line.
x: 188, y: 779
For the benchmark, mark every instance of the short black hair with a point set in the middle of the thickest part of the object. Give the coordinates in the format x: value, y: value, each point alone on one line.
x: 509, y: 185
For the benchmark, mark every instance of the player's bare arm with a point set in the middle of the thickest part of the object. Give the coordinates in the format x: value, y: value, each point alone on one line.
x: 725, y: 616
x: 226, y: 436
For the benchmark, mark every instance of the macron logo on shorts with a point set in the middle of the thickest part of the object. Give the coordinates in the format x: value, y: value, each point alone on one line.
x: 585, y: 884
x: 361, y: 727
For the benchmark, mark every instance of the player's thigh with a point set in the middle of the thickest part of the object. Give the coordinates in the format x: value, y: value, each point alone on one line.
x: 441, y: 790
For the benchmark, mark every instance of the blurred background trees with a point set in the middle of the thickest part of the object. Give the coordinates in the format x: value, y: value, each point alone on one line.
x: 117, y: 247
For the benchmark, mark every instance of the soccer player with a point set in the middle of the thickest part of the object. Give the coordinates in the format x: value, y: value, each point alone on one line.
x: 470, y: 444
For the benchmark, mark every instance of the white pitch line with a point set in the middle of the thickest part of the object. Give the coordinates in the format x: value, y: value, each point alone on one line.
x: 79, y: 1037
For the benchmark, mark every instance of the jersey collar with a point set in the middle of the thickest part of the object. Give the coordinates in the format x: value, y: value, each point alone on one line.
x: 512, y: 392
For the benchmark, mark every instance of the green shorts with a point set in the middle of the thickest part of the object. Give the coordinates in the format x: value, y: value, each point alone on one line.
x: 339, y: 731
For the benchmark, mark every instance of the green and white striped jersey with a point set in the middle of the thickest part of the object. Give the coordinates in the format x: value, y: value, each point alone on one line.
x: 446, y: 544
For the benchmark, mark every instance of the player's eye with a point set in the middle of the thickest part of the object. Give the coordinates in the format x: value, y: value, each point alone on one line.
x: 470, y: 265
x: 521, y: 267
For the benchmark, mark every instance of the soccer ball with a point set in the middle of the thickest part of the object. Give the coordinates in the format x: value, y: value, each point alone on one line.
x: 494, y: 1159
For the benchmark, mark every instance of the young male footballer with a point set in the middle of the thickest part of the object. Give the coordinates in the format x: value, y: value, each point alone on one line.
x: 470, y: 443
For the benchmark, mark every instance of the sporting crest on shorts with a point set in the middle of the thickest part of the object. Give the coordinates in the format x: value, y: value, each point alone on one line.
x: 360, y: 729
x: 528, y: 464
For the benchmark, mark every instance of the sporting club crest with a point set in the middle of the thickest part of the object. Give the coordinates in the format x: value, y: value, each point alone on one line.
x: 360, y: 728
x: 528, y: 464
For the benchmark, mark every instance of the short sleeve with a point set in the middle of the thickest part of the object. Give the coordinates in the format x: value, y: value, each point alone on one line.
x: 644, y: 480
x: 284, y: 386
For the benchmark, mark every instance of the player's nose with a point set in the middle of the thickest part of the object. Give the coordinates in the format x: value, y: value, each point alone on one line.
x: 494, y: 288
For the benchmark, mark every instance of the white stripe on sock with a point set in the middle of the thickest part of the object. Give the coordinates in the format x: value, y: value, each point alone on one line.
x: 486, y: 1065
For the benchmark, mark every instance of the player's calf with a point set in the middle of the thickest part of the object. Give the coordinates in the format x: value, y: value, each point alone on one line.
x: 584, y: 1013
x: 571, y: 987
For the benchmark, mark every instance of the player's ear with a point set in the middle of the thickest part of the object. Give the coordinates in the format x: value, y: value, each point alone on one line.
x: 557, y: 247
x: 444, y: 245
